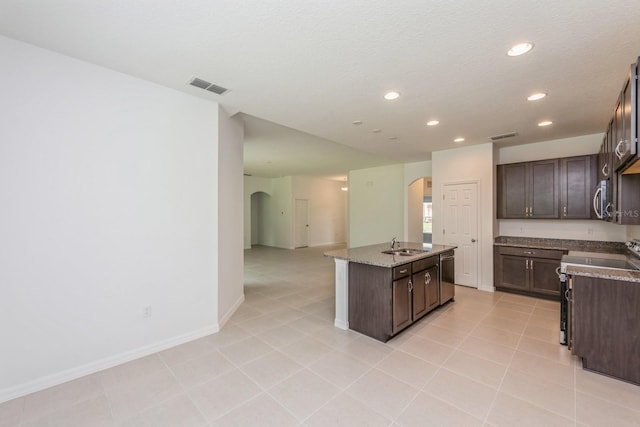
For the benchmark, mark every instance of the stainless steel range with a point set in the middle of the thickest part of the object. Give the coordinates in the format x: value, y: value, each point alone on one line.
x: 630, y: 260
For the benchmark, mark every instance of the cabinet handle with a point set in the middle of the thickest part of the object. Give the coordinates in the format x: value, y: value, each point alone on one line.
x: 410, y: 286
x: 618, y: 150
x: 526, y: 211
x: 531, y: 211
x: 529, y: 252
x: 403, y: 271
x: 564, y: 211
x: 526, y: 264
x: 427, y: 278
x: 605, y: 169
x: 596, y: 202
x: 530, y: 264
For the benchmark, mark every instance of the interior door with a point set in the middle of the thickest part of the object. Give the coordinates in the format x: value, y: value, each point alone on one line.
x: 302, y: 223
x: 461, y: 229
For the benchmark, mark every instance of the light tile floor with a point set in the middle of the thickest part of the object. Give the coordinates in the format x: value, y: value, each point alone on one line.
x: 487, y: 359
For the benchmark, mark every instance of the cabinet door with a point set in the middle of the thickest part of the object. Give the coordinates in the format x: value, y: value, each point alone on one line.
x: 604, y: 166
x: 618, y: 135
x: 401, y: 304
x: 577, y: 187
x: 511, y: 191
x: 433, y: 289
x: 515, y: 272
x: 543, y: 276
x: 425, y: 292
x: 543, y: 189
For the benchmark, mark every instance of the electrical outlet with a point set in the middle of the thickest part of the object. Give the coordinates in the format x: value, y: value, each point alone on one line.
x: 146, y: 312
x: 590, y: 231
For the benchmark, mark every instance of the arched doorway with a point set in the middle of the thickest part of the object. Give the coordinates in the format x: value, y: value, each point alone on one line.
x: 261, y: 234
x: 419, y: 219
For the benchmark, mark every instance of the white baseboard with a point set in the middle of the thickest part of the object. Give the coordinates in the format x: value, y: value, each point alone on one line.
x: 231, y: 311
x: 102, y: 364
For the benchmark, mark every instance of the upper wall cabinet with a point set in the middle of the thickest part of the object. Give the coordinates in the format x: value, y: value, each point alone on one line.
x: 547, y: 189
x: 578, y: 177
x: 529, y: 190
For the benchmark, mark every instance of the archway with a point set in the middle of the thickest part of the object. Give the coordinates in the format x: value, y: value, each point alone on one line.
x: 261, y: 234
x: 419, y: 219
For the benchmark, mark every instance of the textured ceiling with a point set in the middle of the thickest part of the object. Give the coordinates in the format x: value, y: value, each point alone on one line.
x: 314, y: 67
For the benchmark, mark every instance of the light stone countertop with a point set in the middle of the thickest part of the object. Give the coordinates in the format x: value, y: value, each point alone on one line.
x: 373, y: 255
x: 604, y: 273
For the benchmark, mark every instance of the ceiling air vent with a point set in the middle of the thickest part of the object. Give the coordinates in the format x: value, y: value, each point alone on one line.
x: 203, y: 84
x: 503, y: 136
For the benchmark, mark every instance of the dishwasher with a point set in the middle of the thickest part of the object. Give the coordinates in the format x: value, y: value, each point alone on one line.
x: 447, y: 276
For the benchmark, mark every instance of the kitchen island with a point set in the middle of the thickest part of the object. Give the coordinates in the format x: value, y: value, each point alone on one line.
x: 380, y: 291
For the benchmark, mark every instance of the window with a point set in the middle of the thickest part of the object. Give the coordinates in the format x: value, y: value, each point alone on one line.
x: 427, y: 215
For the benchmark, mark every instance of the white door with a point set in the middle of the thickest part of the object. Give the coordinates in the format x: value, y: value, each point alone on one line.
x: 302, y: 223
x: 461, y: 229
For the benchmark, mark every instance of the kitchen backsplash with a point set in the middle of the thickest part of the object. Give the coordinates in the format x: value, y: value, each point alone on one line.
x: 564, y: 229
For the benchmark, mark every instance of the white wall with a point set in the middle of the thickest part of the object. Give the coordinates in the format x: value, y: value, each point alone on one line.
x: 415, y: 211
x: 566, y: 147
x: 109, y: 194
x: 274, y: 216
x: 281, y: 213
x: 574, y: 229
x: 377, y: 204
x: 327, y: 207
x: 230, y: 189
x: 474, y: 163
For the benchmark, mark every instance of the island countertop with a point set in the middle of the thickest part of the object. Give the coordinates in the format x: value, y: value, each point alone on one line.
x: 373, y: 255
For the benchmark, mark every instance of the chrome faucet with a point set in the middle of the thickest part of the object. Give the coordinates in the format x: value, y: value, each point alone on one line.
x: 394, y: 243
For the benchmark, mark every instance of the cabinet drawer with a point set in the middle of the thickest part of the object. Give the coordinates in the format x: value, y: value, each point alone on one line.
x: 401, y: 271
x: 532, y: 252
x: 423, y: 264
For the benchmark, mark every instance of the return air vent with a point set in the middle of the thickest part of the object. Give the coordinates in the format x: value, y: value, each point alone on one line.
x: 203, y: 84
x: 503, y: 136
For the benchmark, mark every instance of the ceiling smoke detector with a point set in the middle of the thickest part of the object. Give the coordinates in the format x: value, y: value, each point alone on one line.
x: 203, y: 84
x: 503, y: 136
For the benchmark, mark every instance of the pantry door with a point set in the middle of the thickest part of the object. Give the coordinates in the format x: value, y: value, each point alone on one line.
x: 460, y: 222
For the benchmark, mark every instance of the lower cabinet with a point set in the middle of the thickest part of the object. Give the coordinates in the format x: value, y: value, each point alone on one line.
x: 527, y: 271
x: 604, y: 326
x: 384, y: 301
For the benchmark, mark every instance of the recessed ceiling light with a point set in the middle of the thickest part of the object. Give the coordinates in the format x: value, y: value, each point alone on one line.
x: 390, y: 96
x: 545, y: 123
x: 536, y: 96
x: 357, y: 122
x: 432, y: 122
x: 520, y: 49
x: 458, y: 140
x: 376, y: 130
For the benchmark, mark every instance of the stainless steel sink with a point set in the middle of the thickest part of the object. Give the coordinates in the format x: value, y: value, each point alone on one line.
x: 404, y: 251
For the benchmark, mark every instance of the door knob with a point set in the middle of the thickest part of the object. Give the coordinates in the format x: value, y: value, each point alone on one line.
x: 473, y: 240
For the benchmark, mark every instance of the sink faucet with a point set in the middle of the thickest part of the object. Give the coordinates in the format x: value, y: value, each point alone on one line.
x: 394, y: 243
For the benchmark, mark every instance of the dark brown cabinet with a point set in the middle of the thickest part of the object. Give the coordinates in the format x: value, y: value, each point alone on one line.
x: 527, y: 271
x: 528, y: 190
x: 578, y: 177
x: 384, y: 301
x: 425, y: 291
x: 604, y: 326
x: 619, y: 161
x: 548, y: 189
x: 402, y: 303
